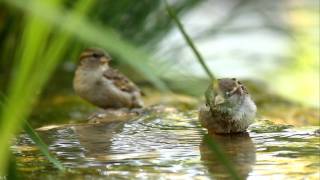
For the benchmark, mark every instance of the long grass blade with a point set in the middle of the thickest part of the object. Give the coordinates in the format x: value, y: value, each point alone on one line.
x: 37, y: 140
x: 215, y: 148
x: 42, y: 146
x: 33, y: 67
x: 12, y: 170
x: 36, y: 59
x: 212, y: 145
x: 95, y: 34
x: 189, y: 41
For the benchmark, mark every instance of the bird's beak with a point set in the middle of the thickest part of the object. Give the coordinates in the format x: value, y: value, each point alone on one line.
x: 218, y: 100
x: 241, y: 91
x: 104, y: 60
x: 237, y: 88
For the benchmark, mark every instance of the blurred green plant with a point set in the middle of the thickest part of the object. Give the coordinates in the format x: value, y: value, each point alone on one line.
x: 12, y: 173
x: 209, y: 140
x: 35, y: 59
x: 189, y: 41
x: 42, y: 146
x: 215, y: 148
x: 47, y: 30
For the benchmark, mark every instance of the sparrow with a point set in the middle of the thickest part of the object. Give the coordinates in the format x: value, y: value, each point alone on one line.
x: 228, y: 108
x: 105, y: 87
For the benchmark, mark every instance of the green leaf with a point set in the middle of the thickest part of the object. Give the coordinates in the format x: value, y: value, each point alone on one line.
x: 12, y: 170
x: 215, y: 148
x: 42, y: 146
x: 189, y: 41
x: 209, y: 95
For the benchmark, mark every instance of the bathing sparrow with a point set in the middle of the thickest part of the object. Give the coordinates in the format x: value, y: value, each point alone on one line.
x: 229, y: 107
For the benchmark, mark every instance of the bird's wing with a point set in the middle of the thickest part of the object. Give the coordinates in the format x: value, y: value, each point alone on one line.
x: 121, y: 81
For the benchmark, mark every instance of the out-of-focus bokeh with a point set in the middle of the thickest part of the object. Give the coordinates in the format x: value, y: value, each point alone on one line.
x: 270, y: 45
x: 273, y: 42
x: 276, y: 42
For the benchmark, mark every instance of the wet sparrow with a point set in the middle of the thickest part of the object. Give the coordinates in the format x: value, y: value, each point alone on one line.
x: 228, y: 109
x: 96, y: 82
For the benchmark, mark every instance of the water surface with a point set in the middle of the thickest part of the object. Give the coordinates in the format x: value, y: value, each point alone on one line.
x: 169, y: 145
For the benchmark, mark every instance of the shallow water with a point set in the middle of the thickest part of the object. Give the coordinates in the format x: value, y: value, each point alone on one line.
x: 169, y: 145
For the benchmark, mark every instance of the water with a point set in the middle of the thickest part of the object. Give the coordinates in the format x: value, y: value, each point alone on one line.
x: 169, y: 145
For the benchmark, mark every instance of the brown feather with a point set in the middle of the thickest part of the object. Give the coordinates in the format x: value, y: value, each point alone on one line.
x: 120, y: 81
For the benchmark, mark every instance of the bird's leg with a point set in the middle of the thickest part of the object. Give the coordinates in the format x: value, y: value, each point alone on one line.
x: 137, y: 111
x: 98, y: 114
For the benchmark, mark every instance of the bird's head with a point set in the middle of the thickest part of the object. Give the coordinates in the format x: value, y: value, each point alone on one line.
x: 225, y: 91
x: 93, y: 58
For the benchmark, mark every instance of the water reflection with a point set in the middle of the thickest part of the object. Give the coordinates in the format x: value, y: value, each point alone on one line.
x: 169, y: 145
x: 96, y: 139
x: 240, y: 150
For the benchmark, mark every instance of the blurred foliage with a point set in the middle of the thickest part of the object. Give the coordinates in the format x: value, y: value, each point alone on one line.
x: 189, y: 41
x: 143, y: 24
x: 35, y: 37
x: 214, y: 147
x: 39, y: 41
x: 30, y: 72
x: 42, y: 146
x: 298, y: 80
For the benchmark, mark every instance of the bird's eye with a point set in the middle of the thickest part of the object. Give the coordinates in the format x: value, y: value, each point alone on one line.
x: 228, y: 94
x: 95, y: 55
x: 243, y: 88
x: 234, y: 79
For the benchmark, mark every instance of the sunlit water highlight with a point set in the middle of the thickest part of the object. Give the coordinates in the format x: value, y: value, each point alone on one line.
x: 168, y: 146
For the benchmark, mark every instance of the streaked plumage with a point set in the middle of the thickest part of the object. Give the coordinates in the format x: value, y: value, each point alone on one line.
x: 228, y: 109
x: 103, y: 86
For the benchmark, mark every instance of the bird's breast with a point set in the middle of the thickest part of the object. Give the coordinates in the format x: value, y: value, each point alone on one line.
x: 85, y: 82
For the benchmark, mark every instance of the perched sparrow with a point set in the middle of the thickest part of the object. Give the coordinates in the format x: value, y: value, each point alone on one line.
x: 96, y: 82
x: 228, y: 109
